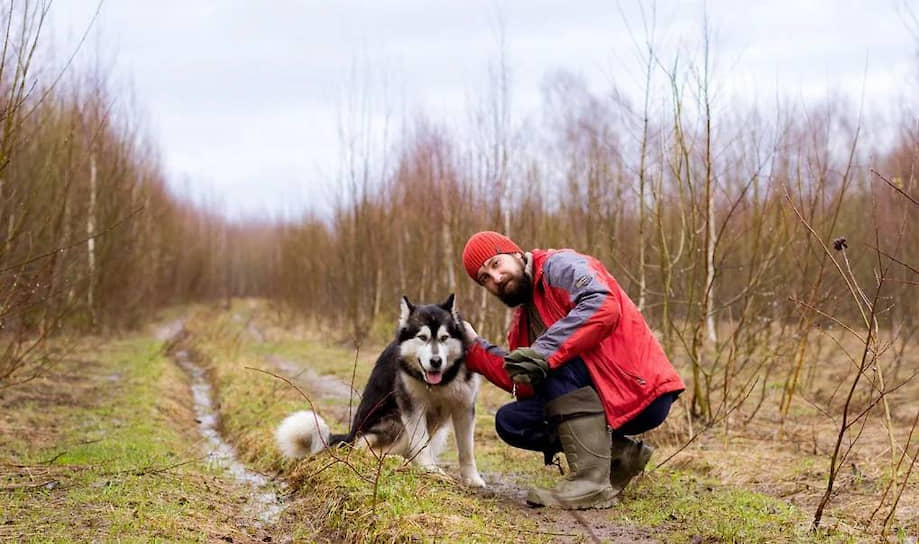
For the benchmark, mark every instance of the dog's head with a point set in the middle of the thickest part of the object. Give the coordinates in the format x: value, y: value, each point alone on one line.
x: 430, y: 338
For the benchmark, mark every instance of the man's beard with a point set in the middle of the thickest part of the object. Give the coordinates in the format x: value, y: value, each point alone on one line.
x: 517, y: 291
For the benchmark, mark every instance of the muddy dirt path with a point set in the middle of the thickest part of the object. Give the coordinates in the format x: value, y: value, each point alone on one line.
x: 264, y: 506
x: 562, y: 526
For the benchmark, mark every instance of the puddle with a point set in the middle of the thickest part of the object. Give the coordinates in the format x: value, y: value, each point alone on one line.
x: 263, y: 503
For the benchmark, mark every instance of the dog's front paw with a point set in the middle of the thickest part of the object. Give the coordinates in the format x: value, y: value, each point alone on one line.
x: 473, y: 479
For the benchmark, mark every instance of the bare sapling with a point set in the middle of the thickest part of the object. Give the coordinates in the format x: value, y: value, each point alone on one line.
x: 867, y: 365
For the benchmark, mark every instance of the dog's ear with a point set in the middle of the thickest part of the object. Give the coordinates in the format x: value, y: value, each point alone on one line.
x: 450, y: 306
x: 405, y: 309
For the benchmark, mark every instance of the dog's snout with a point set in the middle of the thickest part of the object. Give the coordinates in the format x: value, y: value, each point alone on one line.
x: 436, y: 361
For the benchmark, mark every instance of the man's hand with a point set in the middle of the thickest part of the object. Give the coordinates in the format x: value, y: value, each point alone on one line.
x: 469, y: 334
x: 525, y: 365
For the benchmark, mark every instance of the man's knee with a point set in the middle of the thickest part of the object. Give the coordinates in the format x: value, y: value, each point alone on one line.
x: 504, y: 423
x: 522, y: 424
x: 569, y: 377
x: 650, y: 417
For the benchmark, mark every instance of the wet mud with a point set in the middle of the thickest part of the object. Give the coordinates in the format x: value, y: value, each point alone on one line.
x: 263, y: 505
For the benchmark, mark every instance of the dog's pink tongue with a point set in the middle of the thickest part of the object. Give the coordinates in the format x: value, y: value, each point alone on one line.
x: 433, y: 378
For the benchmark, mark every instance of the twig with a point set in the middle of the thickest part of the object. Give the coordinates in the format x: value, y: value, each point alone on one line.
x: 834, y: 467
x: 715, y: 421
x: 288, y: 382
x: 909, y: 471
x: 357, y: 351
x: 894, y: 187
x: 29, y: 486
x: 580, y: 519
x: 81, y: 241
x: 835, y: 320
x: 898, y: 261
x: 896, y: 470
x: 159, y: 470
x: 337, y: 459
x: 55, y: 458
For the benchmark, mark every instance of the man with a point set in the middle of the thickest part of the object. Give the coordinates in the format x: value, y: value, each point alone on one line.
x: 582, y: 361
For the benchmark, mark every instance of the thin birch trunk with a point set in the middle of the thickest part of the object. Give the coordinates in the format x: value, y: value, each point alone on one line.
x: 91, y: 242
x: 709, y: 295
x: 447, y: 239
x: 642, y: 182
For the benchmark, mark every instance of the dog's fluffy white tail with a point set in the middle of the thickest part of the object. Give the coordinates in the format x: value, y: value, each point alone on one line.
x: 302, y: 433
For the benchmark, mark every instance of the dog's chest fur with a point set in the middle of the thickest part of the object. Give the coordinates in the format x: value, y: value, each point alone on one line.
x: 437, y: 401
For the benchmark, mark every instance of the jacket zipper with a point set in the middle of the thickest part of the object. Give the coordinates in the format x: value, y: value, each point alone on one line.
x: 639, y: 379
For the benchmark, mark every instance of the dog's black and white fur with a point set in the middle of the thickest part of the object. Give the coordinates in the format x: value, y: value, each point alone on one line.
x: 419, y: 385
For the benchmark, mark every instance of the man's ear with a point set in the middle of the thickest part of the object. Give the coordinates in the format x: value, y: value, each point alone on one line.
x: 405, y: 309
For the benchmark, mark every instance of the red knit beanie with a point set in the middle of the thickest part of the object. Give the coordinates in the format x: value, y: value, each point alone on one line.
x: 483, y: 246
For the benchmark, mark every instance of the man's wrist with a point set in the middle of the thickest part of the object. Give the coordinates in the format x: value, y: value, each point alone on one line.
x: 526, y: 365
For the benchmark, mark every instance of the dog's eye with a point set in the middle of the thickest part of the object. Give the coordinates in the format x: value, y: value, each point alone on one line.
x: 423, y: 337
x: 443, y: 337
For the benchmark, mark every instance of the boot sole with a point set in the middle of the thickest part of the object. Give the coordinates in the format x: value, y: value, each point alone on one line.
x: 598, y: 501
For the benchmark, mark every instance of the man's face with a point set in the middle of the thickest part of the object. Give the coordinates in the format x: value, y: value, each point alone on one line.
x: 503, y: 276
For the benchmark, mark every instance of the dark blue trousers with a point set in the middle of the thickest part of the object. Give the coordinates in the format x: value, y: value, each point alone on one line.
x: 523, y: 423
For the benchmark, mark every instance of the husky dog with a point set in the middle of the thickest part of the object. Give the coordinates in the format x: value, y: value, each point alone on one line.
x: 418, y: 386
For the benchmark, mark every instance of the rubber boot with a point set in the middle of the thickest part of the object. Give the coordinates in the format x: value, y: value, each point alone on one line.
x: 585, y: 440
x: 627, y: 459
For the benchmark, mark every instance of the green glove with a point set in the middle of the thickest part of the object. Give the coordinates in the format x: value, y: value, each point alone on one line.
x: 525, y: 365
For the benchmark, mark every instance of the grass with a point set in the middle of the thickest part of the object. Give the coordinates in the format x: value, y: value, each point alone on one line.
x: 334, y: 496
x: 690, y: 508
x: 114, y: 462
x: 679, y: 504
x: 106, y: 448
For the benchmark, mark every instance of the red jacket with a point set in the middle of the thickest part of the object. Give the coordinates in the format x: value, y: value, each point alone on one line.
x: 586, y: 314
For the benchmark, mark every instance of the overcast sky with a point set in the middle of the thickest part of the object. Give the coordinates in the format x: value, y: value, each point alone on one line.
x: 243, y: 97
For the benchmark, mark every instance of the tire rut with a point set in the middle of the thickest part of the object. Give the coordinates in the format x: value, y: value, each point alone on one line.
x: 264, y: 506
